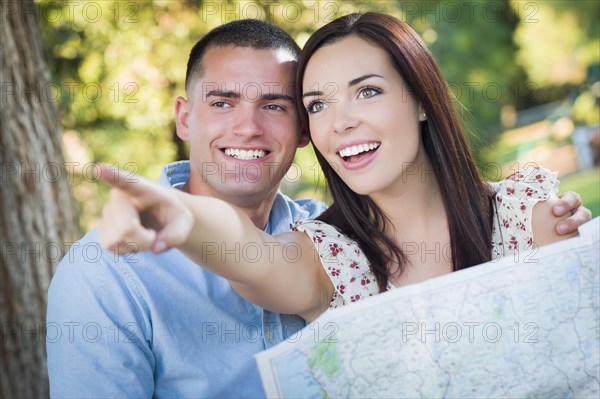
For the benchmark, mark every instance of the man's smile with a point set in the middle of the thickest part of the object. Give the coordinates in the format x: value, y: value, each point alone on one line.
x: 245, y: 154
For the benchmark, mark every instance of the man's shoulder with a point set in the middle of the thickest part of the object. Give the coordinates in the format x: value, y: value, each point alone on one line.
x: 300, y: 209
x: 87, y: 270
x: 285, y: 212
x: 88, y: 267
x: 87, y: 251
x: 175, y: 173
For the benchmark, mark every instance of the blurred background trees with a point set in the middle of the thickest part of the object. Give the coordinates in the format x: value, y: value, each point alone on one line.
x: 117, y: 67
x: 38, y: 217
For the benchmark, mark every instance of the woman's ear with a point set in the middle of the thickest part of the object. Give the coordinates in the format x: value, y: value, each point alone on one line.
x: 181, y: 115
x: 422, y: 114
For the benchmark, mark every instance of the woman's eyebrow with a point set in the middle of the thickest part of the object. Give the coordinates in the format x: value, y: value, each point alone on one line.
x: 312, y: 93
x: 361, y: 78
x: 353, y: 82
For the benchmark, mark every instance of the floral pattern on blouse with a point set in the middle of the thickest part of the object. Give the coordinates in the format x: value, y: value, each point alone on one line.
x: 347, y: 266
x: 515, y: 198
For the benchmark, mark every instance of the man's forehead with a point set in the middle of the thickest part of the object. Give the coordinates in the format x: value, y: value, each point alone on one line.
x: 231, y: 68
x: 219, y: 58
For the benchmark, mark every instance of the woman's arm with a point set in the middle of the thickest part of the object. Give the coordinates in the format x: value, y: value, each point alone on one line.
x: 282, y: 273
x: 570, y: 212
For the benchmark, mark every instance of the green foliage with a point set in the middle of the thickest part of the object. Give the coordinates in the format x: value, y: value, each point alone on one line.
x: 558, y: 41
x: 473, y: 45
x: 117, y: 66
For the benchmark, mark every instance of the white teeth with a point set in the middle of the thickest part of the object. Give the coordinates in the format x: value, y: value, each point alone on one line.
x: 245, y: 154
x: 357, y: 149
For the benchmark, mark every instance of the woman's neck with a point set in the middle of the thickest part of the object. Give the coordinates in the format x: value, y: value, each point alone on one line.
x: 419, y: 226
x: 415, y: 205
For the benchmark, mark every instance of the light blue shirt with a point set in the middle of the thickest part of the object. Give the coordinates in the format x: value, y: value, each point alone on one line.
x: 145, y: 325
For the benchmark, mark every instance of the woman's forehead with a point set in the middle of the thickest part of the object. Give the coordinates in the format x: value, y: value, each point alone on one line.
x: 345, y: 60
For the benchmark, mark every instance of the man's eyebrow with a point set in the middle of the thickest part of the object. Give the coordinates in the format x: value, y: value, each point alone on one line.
x: 236, y: 95
x: 223, y: 94
x: 276, y: 96
x: 350, y: 84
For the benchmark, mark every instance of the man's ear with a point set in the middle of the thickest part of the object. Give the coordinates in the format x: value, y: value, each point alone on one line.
x: 181, y: 118
x: 304, y: 138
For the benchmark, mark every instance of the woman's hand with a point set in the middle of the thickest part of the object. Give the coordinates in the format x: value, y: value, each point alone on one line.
x: 141, y: 215
x: 570, y: 202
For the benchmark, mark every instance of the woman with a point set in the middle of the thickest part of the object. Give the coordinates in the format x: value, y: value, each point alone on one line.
x: 403, y: 181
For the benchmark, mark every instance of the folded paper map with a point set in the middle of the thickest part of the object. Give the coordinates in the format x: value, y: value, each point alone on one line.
x: 527, y: 325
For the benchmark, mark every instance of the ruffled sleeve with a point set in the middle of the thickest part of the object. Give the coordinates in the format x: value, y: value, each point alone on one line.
x: 343, y: 260
x: 515, y: 198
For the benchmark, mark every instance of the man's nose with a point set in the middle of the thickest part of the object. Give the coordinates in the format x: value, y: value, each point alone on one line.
x: 247, y: 122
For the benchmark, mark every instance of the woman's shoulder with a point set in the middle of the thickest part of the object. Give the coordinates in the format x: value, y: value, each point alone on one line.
x: 343, y: 260
x: 320, y: 231
x: 534, y: 182
x: 333, y: 246
x: 515, y: 199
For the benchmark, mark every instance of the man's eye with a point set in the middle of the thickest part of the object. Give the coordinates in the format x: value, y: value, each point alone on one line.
x: 368, y: 92
x: 275, y: 107
x: 220, y: 104
x: 315, y: 106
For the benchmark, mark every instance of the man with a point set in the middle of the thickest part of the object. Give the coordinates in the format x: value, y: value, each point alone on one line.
x: 146, y: 325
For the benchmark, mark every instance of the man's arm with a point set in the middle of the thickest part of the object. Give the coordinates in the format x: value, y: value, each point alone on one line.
x: 97, y: 336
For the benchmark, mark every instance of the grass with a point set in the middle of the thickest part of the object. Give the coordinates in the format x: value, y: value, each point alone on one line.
x: 587, y: 184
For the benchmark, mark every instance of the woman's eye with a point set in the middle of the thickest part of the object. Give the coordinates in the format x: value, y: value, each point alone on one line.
x: 316, y: 106
x: 368, y: 92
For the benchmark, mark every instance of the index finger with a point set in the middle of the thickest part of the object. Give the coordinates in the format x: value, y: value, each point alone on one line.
x: 134, y: 185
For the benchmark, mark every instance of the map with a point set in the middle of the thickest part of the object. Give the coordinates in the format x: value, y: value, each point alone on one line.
x: 514, y: 327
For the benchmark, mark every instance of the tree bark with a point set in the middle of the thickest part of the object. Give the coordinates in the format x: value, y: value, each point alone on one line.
x: 38, y: 216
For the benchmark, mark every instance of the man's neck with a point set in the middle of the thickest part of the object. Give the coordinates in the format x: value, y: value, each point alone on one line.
x: 258, y: 210
x: 259, y: 214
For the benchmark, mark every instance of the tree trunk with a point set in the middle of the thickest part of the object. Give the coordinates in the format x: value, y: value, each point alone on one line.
x: 38, y: 216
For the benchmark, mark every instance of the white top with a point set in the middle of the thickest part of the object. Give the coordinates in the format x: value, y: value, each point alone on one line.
x: 515, y: 197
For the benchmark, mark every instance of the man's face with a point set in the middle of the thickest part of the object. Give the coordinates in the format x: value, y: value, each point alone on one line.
x: 241, y: 123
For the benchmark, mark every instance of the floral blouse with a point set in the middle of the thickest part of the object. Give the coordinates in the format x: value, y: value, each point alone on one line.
x: 514, y: 197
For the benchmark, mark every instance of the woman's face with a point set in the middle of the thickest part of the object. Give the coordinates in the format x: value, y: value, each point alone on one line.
x: 362, y: 117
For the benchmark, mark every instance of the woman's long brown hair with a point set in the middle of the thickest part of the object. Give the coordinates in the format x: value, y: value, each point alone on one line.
x: 467, y: 198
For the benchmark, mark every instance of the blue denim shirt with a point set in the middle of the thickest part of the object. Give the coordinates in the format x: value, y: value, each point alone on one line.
x: 145, y: 325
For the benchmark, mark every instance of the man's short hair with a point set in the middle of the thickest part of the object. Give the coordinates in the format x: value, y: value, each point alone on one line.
x: 251, y: 33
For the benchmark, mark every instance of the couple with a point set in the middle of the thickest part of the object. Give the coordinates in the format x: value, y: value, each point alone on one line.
x: 377, y: 109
